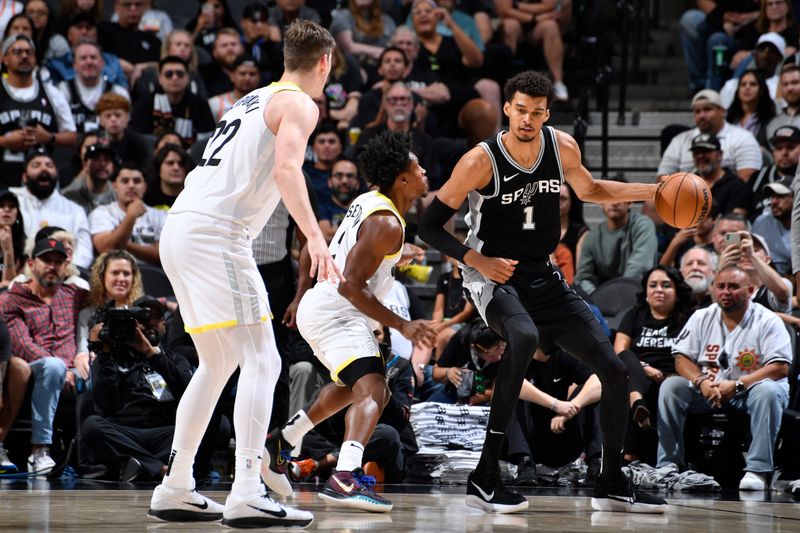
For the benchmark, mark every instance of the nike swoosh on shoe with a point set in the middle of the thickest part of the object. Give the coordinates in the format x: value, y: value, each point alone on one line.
x: 486, y: 497
x: 276, y: 514
x: 202, y: 506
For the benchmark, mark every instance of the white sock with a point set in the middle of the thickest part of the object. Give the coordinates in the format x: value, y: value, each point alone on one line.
x: 179, y: 470
x: 350, y: 456
x: 297, y: 427
x: 248, y: 471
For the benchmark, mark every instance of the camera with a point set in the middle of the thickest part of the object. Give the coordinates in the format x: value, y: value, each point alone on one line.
x: 120, y: 323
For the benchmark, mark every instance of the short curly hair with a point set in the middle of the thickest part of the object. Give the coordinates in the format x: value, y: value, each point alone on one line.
x: 532, y: 83
x: 384, y: 158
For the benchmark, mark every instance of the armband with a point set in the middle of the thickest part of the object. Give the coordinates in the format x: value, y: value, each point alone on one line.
x: 431, y: 230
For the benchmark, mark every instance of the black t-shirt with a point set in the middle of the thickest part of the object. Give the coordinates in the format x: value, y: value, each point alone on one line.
x: 458, y: 353
x: 556, y: 375
x: 132, y: 147
x: 730, y: 192
x: 131, y: 45
x: 339, y: 87
x: 216, y: 80
x: 651, y: 338
x: 187, y: 118
x: 155, y: 197
x: 452, y: 289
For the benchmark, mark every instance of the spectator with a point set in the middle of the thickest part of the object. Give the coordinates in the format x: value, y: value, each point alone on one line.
x: 727, y: 223
x: 573, y: 228
x: 785, y: 144
x: 71, y: 274
x: 170, y: 167
x: 15, y: 374
x: 211, y: 16
x: 8, y: 10
x: 49, y: 44
x: 451, y: 310
x: 178, y: 43
x: 424, y: 83
x: 136, y: 49
x: 698, y: 266
x: 644, y: 343
x: 244, y: 77
x: 19, y: 24
x: 622, y: 246
x: 474, y: 23
x: 41, y: 315
x: 175, y: 109
x: 128, y: 224
x: 540, y: 23
x: 153, y: 20
x: 80, y: 28
x: 113, y: 111
x: 12, y: 237
x: 31, y: 112
x: 284, y: 12
x: 344, y: 185
x: 326, y: 147
x: 775, y: 225
x: 789, y: 103
x: 775, y: 16
x: 216, y: 74
x: 166, y: 138
x: 261, y: 42
x: 744, y: 371
x: 69, y: 9
x: 93, y: 190
x: 362, y: 30
x: 728, y: 191
x: 683, y: 240
x: 85, y: 89
x: 343, y: 89
x: 42, y: 204
x: 726, y: 21
x: 752, y: 107
x: 768, y: 56
x: 739, y: 146
x: 77, y: 168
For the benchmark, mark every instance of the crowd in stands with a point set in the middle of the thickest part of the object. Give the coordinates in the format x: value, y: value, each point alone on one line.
x: 103, y: 115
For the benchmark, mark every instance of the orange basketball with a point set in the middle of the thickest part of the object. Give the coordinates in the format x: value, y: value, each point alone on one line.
x: 683, y: 200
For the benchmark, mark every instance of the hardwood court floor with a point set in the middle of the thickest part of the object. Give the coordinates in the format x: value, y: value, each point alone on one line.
x: 36, y: 506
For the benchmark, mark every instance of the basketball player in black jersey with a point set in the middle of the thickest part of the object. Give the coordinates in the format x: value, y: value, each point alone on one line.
x: 512, y: 182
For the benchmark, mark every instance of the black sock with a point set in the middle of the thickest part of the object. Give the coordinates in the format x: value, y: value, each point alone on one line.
x: 488, y: 467
x: 612, y: 465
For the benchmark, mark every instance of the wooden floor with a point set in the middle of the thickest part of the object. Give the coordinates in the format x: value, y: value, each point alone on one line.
x: 38, y: 506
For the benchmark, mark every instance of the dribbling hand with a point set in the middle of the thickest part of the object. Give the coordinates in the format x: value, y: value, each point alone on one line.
x: 322, y: 263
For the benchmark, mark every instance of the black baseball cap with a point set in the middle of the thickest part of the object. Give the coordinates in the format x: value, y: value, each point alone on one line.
x: 256, y: 11
x: 45, y: 246
x: 785, y: 133
x: 5, y: 193
x: 244, y: 59
x: 151, y: 303
x: 97, y: 149
x: 705, y: 142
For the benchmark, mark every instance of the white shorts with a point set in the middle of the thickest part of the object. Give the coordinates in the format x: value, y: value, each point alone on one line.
x: 337, y: 335
x: 210, y: 265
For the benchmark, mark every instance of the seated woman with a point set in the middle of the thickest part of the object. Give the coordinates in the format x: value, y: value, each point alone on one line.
x: 178, y: 43
x: 644, y: 343
x: 12, y: 238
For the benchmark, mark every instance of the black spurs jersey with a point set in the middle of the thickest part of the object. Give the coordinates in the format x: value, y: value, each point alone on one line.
x: 516, y: 215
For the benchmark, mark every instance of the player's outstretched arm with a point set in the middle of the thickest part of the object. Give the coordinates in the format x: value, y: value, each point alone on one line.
x: 589, y: 189
x: 381, y: 234
x: 293, y: 117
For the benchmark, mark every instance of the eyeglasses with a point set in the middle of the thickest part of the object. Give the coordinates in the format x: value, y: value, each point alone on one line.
x: 169, y: 74
x: 394, y: 100
x: 348, y: 175
x: 19, y: 52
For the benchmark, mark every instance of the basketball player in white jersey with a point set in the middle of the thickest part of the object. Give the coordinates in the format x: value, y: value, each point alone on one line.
x: 253, y: 159
x: 338, y: 320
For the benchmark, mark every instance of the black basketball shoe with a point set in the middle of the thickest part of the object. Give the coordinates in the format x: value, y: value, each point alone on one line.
x: 623, y: 497
x: 275, y: 463
x: 493, y: 497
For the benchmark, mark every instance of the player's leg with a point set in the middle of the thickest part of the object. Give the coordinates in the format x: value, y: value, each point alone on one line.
x: 503, y: 312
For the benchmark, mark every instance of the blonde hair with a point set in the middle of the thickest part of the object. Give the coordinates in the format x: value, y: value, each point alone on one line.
x: 192, y: 62
x: 97, y: 285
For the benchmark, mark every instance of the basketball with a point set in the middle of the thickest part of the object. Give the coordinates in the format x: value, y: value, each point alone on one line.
x: 683, y: 200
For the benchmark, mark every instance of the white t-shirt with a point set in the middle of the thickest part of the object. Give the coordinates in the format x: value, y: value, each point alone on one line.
x: 146, y: 229
x: 739, y: 150
x: 398, y: 303
x: 57, y: 100
x: 759, y: 339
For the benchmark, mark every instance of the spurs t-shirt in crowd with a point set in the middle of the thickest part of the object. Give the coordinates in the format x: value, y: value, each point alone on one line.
x: 651, y: 338
x: 155, y: 115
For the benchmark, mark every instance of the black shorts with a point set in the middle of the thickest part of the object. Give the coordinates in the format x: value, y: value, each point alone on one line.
x: 360, y: 368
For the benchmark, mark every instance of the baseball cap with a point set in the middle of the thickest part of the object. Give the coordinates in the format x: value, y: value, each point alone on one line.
x: 97, y: 149
x: 786, y: 133
x: 46, y: 232
x: 36, y: 151
x: 244, y: 59
x: 14, y: 38
x: 775, y: 39
x: 781, y: 187
x: 255, y: 11
x: 150, y: 302
x: 82, y: 18
x: 706, y: 142
x: 44, y: 246
x: 761, y: 242
x: 707, y: 96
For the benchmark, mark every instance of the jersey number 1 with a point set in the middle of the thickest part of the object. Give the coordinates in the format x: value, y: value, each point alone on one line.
x: 529, y: 223
x: 228, y: 130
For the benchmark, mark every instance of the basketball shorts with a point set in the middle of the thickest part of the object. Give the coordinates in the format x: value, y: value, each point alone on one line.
x: 338, y: 334
x: 210, y: 264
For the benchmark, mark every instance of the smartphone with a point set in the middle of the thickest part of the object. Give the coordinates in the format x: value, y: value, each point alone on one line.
x: 732, y: 238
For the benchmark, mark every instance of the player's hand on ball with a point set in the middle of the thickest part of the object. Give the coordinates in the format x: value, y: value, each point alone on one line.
x: 419, y: 332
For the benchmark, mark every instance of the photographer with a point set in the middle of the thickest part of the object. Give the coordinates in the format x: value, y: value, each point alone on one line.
x: 137, y: 385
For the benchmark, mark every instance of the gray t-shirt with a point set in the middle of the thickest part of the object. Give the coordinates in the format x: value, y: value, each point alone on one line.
x: 343, y: 21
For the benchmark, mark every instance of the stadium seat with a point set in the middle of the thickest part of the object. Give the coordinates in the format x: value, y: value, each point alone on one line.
x: 155, y: 281
x: 615, y: 297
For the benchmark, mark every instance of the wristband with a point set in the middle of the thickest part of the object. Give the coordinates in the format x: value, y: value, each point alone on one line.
x: 553, y: 405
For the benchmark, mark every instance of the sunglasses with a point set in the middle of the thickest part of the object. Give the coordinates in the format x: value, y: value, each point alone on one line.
x: 169, y: 74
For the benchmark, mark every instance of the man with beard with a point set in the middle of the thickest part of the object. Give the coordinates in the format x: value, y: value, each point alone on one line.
x: 42, y: 204
x: 93, y: 190
x: 624, y: 245
x: 733, y: 354
x: 344, y: 184
x: 31, y: 112
x: 775, y: 225
x: 245, y: 78
x: 767, y: 58
x: 42, y: 314
x: 687, y: 238
x: 217, y: 74
x: 785, y: 146
x: 789, y: 103
x: 739, y: 146
x: 729, y: 192
x: 325, y: 147
x: 698, y: 265
x: 128, y: 224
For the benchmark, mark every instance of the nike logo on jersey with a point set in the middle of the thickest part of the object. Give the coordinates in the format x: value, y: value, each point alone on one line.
x: 493, y: 432
x: 347, y: 488
x: 202, y: 506
x: 487, y: 497
x: 511, y: 177
x: 556, y: 380
x: 276, y: 514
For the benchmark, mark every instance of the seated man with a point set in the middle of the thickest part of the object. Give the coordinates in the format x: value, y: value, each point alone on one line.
x: 42, y: 315
x: 785, y: 148
x: 245, y: 78
x: 175, y: 109
x: 128, y: 224
x: 135, y: 48
x: 344, y: 185
x: 733, y: 355
x: 775, y: 224
x: 114, y: 114
x: 15, y: 374
x: 217, y: 74
x: 698, y: 266
x: 729, y: 192
x: 99, y: 162
x: 136, y: 389
x: 623, y: 246
x: 258, y: 42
